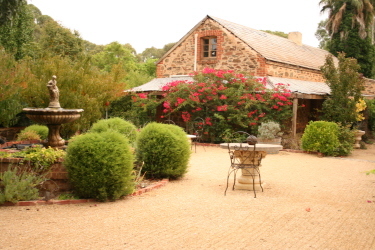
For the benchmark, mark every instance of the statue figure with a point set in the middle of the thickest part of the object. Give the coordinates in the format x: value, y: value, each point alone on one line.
x: 53, y: 93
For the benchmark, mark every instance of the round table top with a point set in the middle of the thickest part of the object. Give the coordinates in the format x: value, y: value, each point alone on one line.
x: 269, y: 148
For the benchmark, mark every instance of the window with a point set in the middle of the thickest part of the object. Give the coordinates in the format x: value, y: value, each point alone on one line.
x: 209, y: 47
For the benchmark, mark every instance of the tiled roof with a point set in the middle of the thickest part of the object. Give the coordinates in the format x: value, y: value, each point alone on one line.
x: 156, y: 84
x: 276, y: 48
x: 299, y: 86
x: 295, y: 86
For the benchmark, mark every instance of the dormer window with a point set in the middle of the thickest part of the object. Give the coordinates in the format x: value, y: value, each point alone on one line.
x: 209, y: 47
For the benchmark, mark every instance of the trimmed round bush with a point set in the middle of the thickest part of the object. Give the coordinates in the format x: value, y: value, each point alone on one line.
x: 41, y: 130
x: 164, y: 149
x: 321, y: 136
x: 100, y: 165
x: 116, y: 124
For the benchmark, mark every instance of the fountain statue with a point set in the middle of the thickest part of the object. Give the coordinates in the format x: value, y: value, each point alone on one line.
x: 53, y: 116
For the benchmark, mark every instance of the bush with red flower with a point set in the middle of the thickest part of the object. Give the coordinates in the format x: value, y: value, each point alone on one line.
x: 227, y: 101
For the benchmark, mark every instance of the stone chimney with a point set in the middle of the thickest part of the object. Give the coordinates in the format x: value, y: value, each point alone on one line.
x: 296, y: 37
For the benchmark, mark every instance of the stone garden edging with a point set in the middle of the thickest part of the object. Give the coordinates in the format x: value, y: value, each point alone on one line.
x: 153, y: 186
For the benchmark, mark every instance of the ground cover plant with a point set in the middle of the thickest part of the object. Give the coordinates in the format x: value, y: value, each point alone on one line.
x: 22, y: 181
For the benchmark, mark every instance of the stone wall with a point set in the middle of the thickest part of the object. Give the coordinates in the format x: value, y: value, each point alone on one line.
x: 369, y: 88
x: 293, y: 72
x: 57, y: 182
x: 232, y: 54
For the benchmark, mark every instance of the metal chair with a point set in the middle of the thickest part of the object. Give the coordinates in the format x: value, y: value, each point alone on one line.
x: 244, y: 157
x: 169, y: 122
x: 197, y: 132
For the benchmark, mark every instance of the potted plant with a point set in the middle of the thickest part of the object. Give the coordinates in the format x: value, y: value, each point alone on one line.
x: 269, y: 133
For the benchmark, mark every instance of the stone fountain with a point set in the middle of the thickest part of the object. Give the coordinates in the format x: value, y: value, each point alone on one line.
x: 53, y: 116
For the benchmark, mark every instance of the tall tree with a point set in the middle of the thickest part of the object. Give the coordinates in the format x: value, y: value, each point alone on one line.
x: 349, y: 26
x: 9, y: 10
x: 346, y: 84
x: 15, y: 36
x: 322, y: 35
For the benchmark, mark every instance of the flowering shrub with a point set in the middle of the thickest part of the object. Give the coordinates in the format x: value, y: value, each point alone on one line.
x: 227, y: 101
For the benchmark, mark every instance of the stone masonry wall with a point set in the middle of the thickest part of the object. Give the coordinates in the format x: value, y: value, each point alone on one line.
x: 232, y: 54
x: 293, y: 72
x: 370, y: 88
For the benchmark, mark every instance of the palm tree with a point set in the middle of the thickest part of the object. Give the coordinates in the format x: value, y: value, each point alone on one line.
x: 362, y: 11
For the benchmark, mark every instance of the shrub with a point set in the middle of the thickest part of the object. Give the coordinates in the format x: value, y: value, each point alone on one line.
x: 269, y: 130
x: 41, y: 130
x: 100, y: 165
x: 40, y: 159
x: 347, y: 139
x: 321, y: 136
x: 116, y: 124
x: 28, y: 136
x: 371, y: 114
x: 164, y: 149
x: 15, y: 186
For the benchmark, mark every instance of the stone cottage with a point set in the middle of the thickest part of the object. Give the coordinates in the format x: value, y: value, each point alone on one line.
x: 220, y: 44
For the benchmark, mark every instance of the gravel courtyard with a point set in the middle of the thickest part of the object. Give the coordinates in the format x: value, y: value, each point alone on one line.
x: 308, y: 203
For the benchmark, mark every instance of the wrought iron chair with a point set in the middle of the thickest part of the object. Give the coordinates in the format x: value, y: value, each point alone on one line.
x: 169, y: 122
x: 197, y: 132
x: 244, y: 157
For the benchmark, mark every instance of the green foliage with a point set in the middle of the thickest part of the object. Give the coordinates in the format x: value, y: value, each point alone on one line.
x: 40, y: 159
x: 132, y: 108
x: 18, y: 186
x: 9, y: 10
x: 100, y: 165
x: 277, y: 33
x: 16, y: 36
x: 164, y: 149
x: 344, y: 82
x: 80, y: 85
x: 371, y: 113
x: 349, y: 25
x: 269, y: 130
x: 13, y: 81
x: 321, y: 136
x: 115, y: 53
x: 28, y: 136
x: 347, y: 139
x: 154, y: 53
x: 41, y: 130
x: 225, y: 100
x: 116, y: 124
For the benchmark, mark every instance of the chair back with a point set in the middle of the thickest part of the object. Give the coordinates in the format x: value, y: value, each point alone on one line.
x: 169, y: 122
x: 242, y: 150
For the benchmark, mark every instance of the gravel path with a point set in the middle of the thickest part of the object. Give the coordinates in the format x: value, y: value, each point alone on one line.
x: 307, y: 203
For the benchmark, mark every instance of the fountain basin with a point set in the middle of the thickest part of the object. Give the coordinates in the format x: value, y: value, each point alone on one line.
x: 53, y: 115
x: 53, y: 118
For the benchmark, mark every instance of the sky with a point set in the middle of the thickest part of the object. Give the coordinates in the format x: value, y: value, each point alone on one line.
x: 155, y: 23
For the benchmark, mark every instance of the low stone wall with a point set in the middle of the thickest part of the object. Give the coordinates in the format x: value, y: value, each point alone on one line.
x: 10, y: 133
x: 57, y: 178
